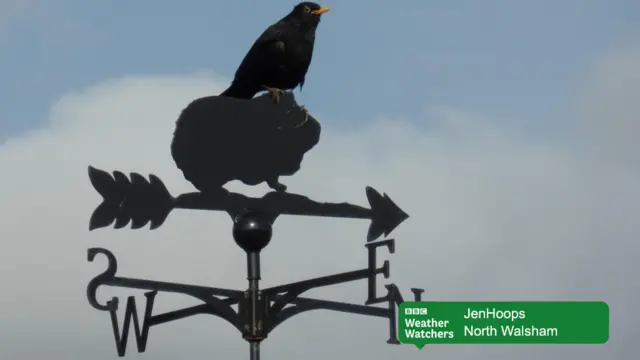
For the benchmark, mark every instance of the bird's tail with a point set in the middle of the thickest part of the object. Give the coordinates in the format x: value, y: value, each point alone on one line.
x: 240, y: 91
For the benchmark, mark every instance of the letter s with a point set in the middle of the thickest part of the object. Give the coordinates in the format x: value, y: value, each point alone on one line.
x: 108, y: 274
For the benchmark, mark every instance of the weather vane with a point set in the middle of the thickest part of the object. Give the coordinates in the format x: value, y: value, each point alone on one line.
x: 235, y: 136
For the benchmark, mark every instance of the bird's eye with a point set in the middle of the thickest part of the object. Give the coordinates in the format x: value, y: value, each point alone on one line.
x: 307, y: 9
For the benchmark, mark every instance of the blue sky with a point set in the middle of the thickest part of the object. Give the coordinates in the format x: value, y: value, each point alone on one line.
x: 519, y: 61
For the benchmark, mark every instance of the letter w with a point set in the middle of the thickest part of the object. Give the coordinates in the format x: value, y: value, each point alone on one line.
x: 131, y: 312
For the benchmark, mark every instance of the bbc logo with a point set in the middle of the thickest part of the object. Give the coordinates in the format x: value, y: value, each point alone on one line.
x: 415, y: 311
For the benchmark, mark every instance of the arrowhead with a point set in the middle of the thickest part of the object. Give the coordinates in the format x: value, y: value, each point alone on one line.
x: 385, y: 214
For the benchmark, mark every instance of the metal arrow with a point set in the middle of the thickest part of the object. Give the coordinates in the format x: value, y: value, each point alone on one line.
x: 139, y: 201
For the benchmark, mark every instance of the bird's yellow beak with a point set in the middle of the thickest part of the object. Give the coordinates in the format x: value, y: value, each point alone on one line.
x: 322, y: 10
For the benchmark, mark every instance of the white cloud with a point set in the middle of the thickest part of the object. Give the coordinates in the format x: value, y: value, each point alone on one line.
x: 611, y: 109
x: 494, y: 216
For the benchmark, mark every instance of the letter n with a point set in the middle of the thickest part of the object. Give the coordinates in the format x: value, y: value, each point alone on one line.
x: 394, y: 299
x: 131, y: 312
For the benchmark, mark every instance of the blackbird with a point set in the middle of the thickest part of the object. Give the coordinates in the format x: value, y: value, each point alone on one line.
x: 281, y: 56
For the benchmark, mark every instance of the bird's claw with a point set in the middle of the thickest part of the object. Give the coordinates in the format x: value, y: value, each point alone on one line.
x: 275, y: 93
x: 277, y: 186
x: 306, y: 116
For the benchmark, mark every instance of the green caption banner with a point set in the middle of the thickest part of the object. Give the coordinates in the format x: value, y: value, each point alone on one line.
x: 422, y: 323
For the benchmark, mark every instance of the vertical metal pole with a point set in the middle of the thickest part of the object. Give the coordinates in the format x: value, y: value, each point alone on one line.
x: 253, y: 275
x: 254, y: 347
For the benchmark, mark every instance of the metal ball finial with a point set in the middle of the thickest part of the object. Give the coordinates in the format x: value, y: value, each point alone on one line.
x: 252, y: 231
